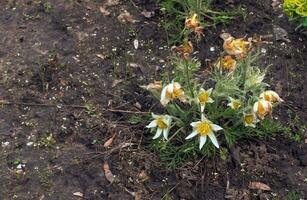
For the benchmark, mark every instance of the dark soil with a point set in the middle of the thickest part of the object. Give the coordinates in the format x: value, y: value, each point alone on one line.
x: 70, y: 78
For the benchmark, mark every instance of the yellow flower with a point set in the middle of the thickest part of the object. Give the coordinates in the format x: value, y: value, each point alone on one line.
x: 162, y: 123
x: 172, y: 91
x: 234, y: 103
x: 204, y: 97
x: 271, y: 96
x: 192, y: 22
x: 228, y: 63
x: 234, y: 46
x: 250, y: 120
x: 204, y: 128
x: 262, y: 108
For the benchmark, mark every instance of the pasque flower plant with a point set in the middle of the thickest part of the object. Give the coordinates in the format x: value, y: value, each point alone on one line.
x: 233, y: 96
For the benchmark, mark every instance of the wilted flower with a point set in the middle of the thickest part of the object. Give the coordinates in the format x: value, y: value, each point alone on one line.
x: 235, y: 46
x: 270, y: 96
x: 162, y: 123
x: 204, y: 128
x: 234, y: 103
x: 262, y: 108
x: 204, y: 97
x: 185, y: 49
x: 228, y: 63
x: 250, y: 120
x: 172, y: 91
x: 192, y: 22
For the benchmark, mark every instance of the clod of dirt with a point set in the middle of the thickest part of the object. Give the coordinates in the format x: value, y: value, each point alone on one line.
x: 280, y: 34
x: 258, y: 186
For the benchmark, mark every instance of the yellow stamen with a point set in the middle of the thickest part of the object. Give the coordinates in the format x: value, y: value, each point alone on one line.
x: 161, y: 123
x: 236, y: 104
x: 203, y: 128
x: 203, y: 97
x: 249, y: 119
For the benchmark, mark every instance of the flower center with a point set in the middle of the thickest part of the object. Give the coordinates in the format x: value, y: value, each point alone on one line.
x: 203, y: 97
x: 228, y: 62
x: 249, y: 119
x: 161, y: 123
x: 203, y: 128
x: 267, y: 96
x: 236, y: 104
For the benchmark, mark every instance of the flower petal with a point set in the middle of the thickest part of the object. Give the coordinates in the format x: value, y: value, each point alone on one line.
x: 158, y: 133
x: 202, y: 107
x: 152, y: 124
x: 193, y: 134
x: 209, y: 91
x: 164, y: 99
x: 193, y: 124
x: 165, y: 133
x: 202, y: 141
x: 216, y: 127
x: 213, y: 139
x: 210, y: 100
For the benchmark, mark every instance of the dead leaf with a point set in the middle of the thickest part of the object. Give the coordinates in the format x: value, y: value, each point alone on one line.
x: 107, y: 172
x: 104, y: 11
x: 156, y: 85
x: 109, y: 141
x: 116, y: 82
x: 78, y: 194
x: 143, y: 176
x: 112, y: 3
x: 275, y: 4
x: 147, y: 14
x: 258, y: 186
x: 103, y: 57
x: 138, y: 105
x: 137, y: 196
x: 125, y: 17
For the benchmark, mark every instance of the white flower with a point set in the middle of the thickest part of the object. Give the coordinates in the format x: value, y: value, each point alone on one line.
x: 250, y: 120
x: 262, y: 108
x: 162, y: 123
x: 204, y: 97
x: 234, y: 103
x: 270, y: 96
x: 172, y: 91
x: 204, y: 128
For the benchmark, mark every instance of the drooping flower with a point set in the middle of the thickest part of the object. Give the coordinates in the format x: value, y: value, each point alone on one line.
x: 234, y: 46
x: 162, y: 123
x: 204, y: 128
x: 204, y: 97
x: 192, y: 22
x: 250, y: 120
x: 172, y: 91
x: 271, y: 96
x: 234, y: 103
x: 184, y: 50
x: 262, y: 108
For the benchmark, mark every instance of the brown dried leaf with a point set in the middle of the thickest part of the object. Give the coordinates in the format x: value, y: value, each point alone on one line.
x: 78, y: 194
x: 125, y: 17
x: 147, y: 14
x: 137, y: 196
x: 109, y: 141
x: 258, y: 186
x: 107, y: 172
x: 112, y: 3
x: 143, y: 176
x: 104, y: 11
x: 116, y: 82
